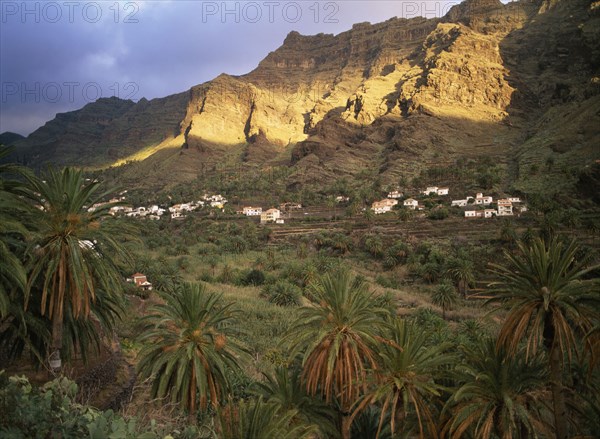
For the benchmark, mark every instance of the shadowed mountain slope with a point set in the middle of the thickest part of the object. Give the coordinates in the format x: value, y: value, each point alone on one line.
x: 518, y: 82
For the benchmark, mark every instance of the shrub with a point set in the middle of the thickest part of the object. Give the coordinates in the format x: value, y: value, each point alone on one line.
x: 183, y: 263
x: 235, y: 244
x: 50, y: 411
x: 205, y: 276
x: 430, y: 272
x: 386, y: 300
x: 207, y: 249
x: 439, y: 214
x: 253, y: 277
x: 227, y: 275
x: 282, y: 293
x: 387, y: 281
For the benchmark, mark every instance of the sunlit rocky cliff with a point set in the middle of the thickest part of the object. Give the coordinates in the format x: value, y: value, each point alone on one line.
x: 518, y: 82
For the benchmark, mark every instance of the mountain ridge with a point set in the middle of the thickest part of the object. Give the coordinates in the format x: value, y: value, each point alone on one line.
x: 393, y: 97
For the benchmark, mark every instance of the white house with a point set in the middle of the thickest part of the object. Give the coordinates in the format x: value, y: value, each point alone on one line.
x: 395, y: 194
x: 155, y: 210
x: 483, y: 200
x: 411, y: 203
x: 383, y: 206
x: 138, y: 212
x: 461, y: 203
x: 342, y: 199
x: 217, y: 197
x: 487, y: 213
x: 436, y: 190
x: 177, y: 215
x: 505, y: 207
x: 270, y: 216
x: 252, y: 211
x: 95, y: 206
x: 116, y: 209
x: 513, y: 199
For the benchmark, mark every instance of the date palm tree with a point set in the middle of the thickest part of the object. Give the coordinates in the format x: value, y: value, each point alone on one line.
x: 461, y: 271
x: 337, y: 339
x: 284, y: 389
x: 12, y: 231
x: 190, y: 347
x: 75, y: 250
x: 369, y: 214
x: 550, y: 304
x: 445, y: 297
x: 498, y: 396
x: 259, y: 419
x: 404, y: 383
x: 374, y: 245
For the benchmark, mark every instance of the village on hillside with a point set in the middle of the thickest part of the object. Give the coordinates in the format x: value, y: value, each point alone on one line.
x: 473, y: 207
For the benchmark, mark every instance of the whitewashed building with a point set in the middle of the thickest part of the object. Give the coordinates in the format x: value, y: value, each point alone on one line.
x: 505, y: 207
x: 383, y: 206
x: 487, y: 213
x: 270, y: 216
x: 436, y: 190
x: 483, y: 199
x: 461, y: 203
x: 411, y: 203
x: 252, y: 211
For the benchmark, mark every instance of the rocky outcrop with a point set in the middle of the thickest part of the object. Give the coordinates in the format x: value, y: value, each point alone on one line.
x: 393, y: 97
x: 103, y: 131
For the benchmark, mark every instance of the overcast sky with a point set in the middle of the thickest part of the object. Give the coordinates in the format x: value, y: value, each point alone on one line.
x: 58, y: 56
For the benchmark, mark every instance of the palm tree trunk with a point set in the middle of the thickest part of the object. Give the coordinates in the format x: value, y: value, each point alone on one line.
x: 462, y: 288
x: 558, y: 397
x: 346, y: 424
x: 57, y: 336
x: 192, y: 407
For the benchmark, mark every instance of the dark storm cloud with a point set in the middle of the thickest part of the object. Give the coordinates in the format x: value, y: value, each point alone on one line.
x: 58, y: 56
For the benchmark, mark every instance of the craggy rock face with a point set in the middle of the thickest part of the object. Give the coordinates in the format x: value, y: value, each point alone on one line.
x: 486, y: 79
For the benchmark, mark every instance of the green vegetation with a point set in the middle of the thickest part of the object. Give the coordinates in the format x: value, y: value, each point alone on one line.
x: 407, y: 380
x: 337, y: 338
x: 76, y: 254
x: 445, y: 297
x: 551, y: 304
x: 52, y: 411
x: 332, y: 329
x: 499, y: 395
x: 190, y: 348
